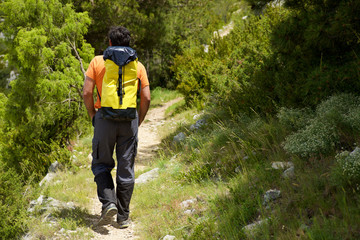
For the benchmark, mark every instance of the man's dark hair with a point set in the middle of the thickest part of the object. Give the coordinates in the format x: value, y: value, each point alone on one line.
x: 119, y: 36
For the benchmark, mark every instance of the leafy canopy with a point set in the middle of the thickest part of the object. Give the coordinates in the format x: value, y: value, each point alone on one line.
x: 44, y: 107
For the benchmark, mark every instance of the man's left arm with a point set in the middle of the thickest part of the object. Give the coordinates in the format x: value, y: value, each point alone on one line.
x: 145, y: 99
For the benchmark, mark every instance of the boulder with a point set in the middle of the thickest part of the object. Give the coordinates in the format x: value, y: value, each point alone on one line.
x: 54, y: 167
x: 251, y: 229
x: 281, y: 165
x: 148, y: 176
x: 169, y: 237
x: 179, y: 138
x: 289, y: 173
x: 271, y: 195
x: 189, y: 211
x: 188, y: 203
x: 199, y: 124
x: 48, y: 203
x: 355, y: 152
x: 49, y: 177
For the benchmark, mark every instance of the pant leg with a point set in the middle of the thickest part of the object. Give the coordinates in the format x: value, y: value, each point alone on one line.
x: 126, y: 149
x: 103, y: 147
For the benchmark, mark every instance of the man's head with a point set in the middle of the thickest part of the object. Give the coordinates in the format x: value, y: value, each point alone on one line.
x: 119, y: 36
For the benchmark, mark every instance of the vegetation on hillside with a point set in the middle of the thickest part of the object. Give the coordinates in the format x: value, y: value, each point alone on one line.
x: 282, y: 86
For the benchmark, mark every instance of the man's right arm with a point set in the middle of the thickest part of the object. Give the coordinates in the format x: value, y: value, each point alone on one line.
x: 88, y: 90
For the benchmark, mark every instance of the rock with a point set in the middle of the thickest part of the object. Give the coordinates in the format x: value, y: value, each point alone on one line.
x: 289, y: 173
x: 148, y: 176
x: 355, y: 152
x: 49, y: 218
x: 49, y: 203
x: 169, y: 237
x: 189, y: 212
x: 198, y: 124
x: 173, y: 158
x: 281, y: 165
x: 50, y: 176
x: 187, y: 203
x: 179, y: 138
x: 54, y: 167
x: 206, y: 48
x: 250, y: 230
x: 73, y: 158
x: 28, y: 236
x: 271, y: 195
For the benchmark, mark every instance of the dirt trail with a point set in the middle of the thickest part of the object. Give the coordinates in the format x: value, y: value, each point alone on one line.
x: 148, y: 144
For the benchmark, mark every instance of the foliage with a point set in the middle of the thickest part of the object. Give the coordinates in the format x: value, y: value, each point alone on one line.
x: 104, y: 14
x: 44, y: 106
x: 334, y: 126
x: 178, y: 24
x: 294, y: 119
x: 225, y: 71
x: 160, y: 96
x: 191, y: 73
x: 349, y: 164
x: 288, y: 57
x: 12, y: 204
x: 317, y: 51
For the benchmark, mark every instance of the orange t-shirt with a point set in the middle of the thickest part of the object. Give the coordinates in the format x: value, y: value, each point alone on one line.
x: 96, y: 71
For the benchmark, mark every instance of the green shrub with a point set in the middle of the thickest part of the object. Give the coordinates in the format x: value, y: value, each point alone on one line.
x: 44, y: 109
x: 336, y: 124
x: 12, y: 204
x: 349, y: 164
x: 191, y: 74
x: 294, y: 119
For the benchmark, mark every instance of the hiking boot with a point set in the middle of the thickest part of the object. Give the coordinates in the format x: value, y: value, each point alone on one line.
x: 107, y: 213
x: 124, y: 223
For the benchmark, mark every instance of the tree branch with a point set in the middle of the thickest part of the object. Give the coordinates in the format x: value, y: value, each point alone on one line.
x: 73, y: 46
x: 78, y: 90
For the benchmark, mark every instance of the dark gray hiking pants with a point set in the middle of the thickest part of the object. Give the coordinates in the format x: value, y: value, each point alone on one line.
x: 122, y: 136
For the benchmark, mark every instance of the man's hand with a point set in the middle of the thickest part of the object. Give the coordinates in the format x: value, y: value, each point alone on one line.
x: 145, y: 99
x: 88, y: 91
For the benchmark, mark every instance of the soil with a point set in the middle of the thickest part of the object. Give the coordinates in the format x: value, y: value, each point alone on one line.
x: 149, y: 142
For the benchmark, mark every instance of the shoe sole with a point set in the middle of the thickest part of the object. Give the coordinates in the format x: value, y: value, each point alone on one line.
x: 107, y: 216
x: 124, y: 226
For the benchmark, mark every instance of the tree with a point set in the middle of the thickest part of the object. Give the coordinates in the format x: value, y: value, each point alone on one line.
x: 44, y: 107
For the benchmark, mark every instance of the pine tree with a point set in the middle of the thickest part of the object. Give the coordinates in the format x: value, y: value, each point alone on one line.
x: 44, y: 107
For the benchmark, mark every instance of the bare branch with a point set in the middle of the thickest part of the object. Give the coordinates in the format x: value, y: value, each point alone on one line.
x: 70, y: 100
x: 73, y: 46
x: 78, y: 90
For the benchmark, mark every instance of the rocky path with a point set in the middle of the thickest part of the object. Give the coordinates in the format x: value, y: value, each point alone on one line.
x: 149, y: 141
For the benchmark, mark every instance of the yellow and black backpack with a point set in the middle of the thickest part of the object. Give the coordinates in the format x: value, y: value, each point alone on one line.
x: 120, y: 84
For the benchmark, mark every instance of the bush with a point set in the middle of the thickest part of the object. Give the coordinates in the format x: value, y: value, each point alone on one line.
x: 349, y: 163
x: 12, y: 204
x: 294, y: 119
x: 336, y: 125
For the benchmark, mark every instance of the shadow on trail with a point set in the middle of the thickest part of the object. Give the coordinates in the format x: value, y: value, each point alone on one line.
x: 80, y: 217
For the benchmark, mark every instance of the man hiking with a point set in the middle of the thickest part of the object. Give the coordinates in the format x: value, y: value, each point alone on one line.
x: 113, y: 132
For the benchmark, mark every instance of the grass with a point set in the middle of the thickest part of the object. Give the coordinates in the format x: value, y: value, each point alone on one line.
x: 160, y: 96
x: 157, y: 206
x: 229, y: 164
x: 73, y: 184
x: 225, y: 167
